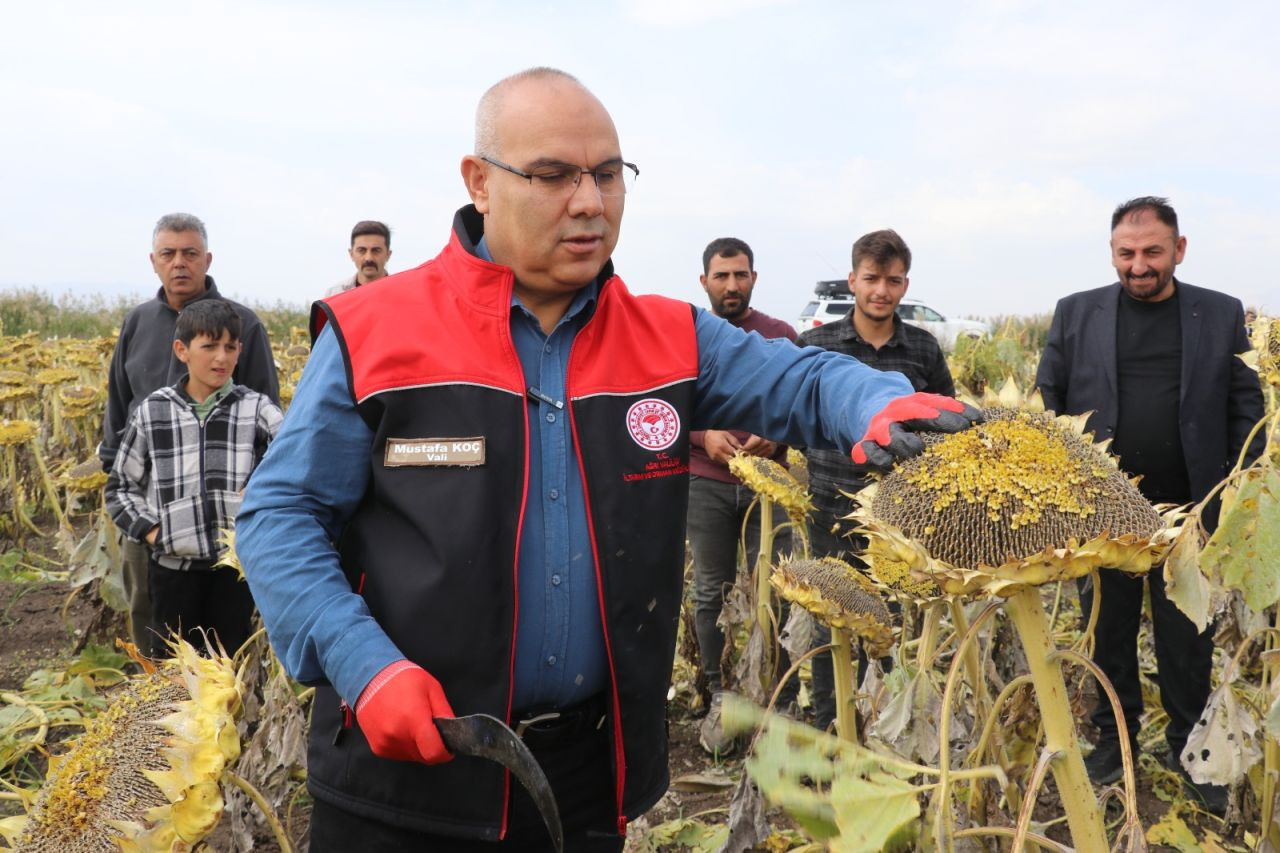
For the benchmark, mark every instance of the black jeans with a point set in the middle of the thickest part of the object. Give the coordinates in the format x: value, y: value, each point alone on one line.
x: 579, y: 768
x: 716, y: 512
x: 1184, y: 658
x: 213, y: 599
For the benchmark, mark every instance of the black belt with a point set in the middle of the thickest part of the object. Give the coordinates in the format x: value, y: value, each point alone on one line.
x: 551, y: 725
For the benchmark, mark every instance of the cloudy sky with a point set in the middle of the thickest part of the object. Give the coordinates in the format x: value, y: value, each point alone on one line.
x: 995, y: 136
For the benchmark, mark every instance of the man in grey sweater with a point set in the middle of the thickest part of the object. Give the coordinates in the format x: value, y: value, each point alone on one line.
x: 143, y: 361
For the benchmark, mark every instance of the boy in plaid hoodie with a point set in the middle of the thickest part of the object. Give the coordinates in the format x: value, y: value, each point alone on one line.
x: 179, y: 474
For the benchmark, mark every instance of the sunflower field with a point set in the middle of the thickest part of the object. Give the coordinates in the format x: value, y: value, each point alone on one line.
x: 968, y: 731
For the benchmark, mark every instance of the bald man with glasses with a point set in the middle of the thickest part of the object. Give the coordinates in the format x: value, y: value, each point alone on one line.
x: 477, y: 503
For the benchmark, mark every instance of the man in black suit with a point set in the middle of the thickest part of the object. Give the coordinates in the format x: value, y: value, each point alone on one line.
x: 1154, y: 359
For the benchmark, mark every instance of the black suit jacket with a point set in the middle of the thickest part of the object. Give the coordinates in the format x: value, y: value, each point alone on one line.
x: 1221, y: 398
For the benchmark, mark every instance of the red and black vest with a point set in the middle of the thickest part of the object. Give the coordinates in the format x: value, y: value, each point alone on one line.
x: 433, y: 545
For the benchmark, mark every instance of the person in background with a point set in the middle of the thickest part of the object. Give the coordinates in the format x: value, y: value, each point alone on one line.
x: 1153, y: 360
x: 874, y: 335
x: 144, y: 361
x: 179, y: 473
x: 370, y: 250
x: 718, y: 501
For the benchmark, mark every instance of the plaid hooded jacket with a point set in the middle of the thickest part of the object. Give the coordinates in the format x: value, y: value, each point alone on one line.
x: 186, y: 476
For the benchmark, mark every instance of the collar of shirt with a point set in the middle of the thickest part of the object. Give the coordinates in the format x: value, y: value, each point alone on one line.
x: 204, y: 407
x: 851, y: 331
x: 581, y: 300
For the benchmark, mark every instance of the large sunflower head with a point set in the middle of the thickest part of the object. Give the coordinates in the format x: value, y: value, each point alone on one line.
x: 838, y: 595
x: 145, y: 774
x: 1022, y: 498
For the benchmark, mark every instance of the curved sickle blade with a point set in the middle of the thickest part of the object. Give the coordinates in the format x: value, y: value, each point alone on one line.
x: 488, y: 737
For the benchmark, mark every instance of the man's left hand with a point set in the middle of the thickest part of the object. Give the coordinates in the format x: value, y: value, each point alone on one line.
x: 757, y: 446
x: 890, y: 436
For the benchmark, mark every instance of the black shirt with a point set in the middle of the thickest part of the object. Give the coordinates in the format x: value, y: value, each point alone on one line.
x: 911, y: 351
x: 1148, y: 439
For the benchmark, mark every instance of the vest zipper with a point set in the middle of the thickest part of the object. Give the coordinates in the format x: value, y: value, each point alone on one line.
x: 615, y: 715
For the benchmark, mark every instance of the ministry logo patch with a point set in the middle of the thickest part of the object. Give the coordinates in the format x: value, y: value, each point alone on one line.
x: 653, y: 424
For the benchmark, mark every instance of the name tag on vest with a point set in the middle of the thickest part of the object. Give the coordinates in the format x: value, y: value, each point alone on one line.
x: 458, y: 452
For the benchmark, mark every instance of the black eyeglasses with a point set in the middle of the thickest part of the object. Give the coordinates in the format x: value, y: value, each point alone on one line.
x: 557, y: 179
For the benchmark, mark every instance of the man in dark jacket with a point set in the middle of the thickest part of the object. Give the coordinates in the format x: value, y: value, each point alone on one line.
x: 144, y: 361
x: 1154, y: 360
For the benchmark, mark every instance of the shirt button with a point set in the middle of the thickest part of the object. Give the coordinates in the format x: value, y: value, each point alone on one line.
x: 547, y: 348
x: 555, y: 493
x: 551, y: 417
x: 551, y: 661
x: 555, y: 580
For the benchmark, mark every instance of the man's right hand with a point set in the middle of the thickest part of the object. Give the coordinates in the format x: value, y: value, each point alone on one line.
x: 720, y: 445
x: 395, y: 712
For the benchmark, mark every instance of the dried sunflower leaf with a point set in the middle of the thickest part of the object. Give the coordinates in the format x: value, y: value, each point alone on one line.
x: 1223, y: 744
x: 686, y: 833
x: 1185, y: 585
x: 701, y: 783
x: 749, y: 673
x: 798, y: 633
x: 747, y: 826
x: 1172, y: 831
x: 909, y: 723
x: 1245, y: 548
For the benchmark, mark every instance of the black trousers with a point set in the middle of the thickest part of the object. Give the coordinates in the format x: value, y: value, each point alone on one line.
x: 1184, y: 657
x: 215, y: 600
x: 579, y: 768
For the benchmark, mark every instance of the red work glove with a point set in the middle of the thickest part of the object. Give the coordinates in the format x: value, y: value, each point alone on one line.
x: 888, y: 440
x: 395, y: 712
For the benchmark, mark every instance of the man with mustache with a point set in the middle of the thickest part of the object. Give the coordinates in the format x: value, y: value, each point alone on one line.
x: 718, y: 501
x: 477, y: 501
x: 144, y: 361
x: 1154, y: 359
x: 874, y: 335
x: 370, y: 250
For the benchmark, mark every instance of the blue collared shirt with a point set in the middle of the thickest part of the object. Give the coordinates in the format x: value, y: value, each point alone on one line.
x: 560, y: 653
x: 317, y: 470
